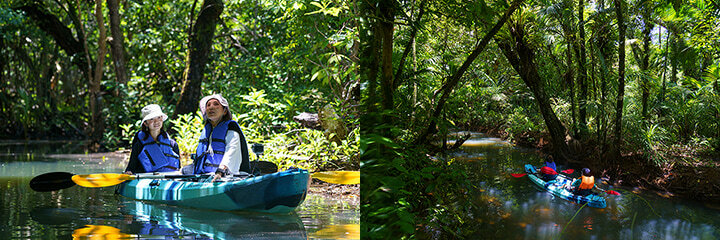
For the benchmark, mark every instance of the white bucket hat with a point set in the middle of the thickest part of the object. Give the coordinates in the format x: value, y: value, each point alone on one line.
x: 220, y: 99
x: 152, y: 111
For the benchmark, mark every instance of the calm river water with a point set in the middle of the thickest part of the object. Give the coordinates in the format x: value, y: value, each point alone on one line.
x: 95, y: 212
x: 514, y: 208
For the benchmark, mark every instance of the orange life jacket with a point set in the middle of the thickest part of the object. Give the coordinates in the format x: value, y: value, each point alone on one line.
x: 587, y: 182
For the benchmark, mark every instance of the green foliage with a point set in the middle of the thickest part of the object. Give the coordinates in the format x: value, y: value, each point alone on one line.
x: 10, y: 21
x: 259, y: 113
x: 692, y: 109
x: 406, y: 189
x: 326, y: 8
x: 521, y: 123
x: 650, y: 139
x: 310, y: 149
x: 127, y: 132
x: 384, y: 202
x: 188, y: 128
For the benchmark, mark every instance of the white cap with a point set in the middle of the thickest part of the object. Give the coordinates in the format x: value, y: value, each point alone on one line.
x: 220, y: 99
x: 152, y: 111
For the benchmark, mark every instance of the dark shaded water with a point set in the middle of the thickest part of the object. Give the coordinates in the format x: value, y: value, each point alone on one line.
x: 514, y: 208
x: 88, y: 212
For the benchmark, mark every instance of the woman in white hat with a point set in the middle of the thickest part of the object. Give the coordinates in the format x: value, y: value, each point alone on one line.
x: 152, y: 148
x: 222, y: 148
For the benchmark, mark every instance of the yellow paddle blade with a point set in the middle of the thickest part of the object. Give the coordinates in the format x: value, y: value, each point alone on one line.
x: 101, y: 179
x: 345, y: 231
x: 338, y: 177
x: 100, y: 232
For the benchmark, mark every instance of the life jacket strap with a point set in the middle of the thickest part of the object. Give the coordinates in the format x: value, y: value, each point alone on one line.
x: 171, y: 167
x: 214, y: 140
x: 207, y: 164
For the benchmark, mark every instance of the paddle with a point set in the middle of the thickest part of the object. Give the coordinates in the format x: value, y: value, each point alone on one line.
x: 611, y: 192
x: 338, y: 177
x: 100, y: 232
x: 112, y: 179
x: 519, y: 175
x: 52, y: 181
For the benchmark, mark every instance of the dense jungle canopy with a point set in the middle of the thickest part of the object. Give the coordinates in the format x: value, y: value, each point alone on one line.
x: 627, y: 87
x: 84, y: 69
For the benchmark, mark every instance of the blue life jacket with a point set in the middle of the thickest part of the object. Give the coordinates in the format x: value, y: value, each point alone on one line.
x: 206, y: 161
x: 551, y: 165
x: 157, y: 156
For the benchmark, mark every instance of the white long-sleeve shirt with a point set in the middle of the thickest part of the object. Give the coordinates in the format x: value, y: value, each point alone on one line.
x: 233, y: 156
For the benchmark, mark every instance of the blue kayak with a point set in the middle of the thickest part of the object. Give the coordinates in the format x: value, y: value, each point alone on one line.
x: 275, y: 192
x: 555, y: 187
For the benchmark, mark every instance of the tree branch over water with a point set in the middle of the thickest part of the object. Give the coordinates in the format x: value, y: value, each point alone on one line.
x: 455, y: 78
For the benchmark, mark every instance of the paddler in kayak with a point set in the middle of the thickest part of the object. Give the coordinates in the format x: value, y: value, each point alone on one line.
x: 583, y: 186
x: 222, y: 148
x: 153, y: 150
x: 549, y: 171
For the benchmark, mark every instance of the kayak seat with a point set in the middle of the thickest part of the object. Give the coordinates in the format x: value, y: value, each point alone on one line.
x: 263, y: 167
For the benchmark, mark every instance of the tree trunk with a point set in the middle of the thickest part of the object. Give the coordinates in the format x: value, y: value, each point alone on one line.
x: 47, y: 63
x: 642, y: 57
x: 661, y: 96
x: 386, y: 25
x: 645, y: 66
x: 117, y: 44
x: 570, y: 80
x: 97, y: 124
x: 522, y: 57
x: 674, y: 58
x: 369, y: 45
x: 410, y: 45
x: 621, y: 78
x: 199, y: 51
x: 582, y: 75
x: 569, y: 75
x: 373, y: 58
x: 455, y: 78
x: 603, y: 56
x: 3, y: 62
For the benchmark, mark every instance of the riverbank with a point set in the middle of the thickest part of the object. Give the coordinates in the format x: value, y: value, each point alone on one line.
x: 685, y: 172
x: 347, y: 193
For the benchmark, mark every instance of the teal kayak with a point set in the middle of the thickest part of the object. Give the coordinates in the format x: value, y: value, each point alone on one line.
x: 555, y: 187
x: 276, y: 192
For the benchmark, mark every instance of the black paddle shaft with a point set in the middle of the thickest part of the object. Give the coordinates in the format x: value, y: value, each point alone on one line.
x: 52, y: 181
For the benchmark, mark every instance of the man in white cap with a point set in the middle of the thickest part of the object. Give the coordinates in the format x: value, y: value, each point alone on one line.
x: 222, y: 148
x: 152, y: 148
